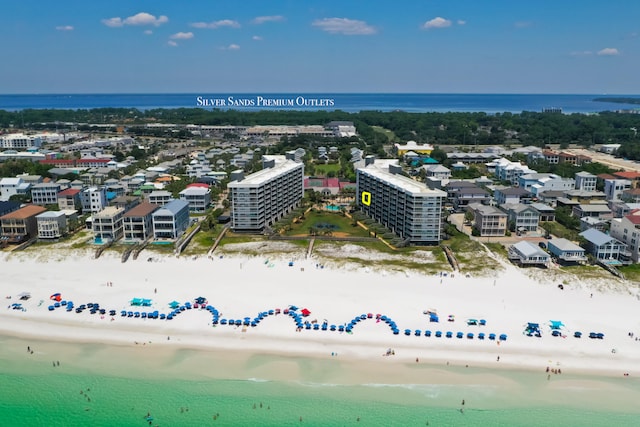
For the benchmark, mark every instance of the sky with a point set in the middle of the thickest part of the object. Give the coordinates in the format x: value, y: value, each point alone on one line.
x: 320, y: 46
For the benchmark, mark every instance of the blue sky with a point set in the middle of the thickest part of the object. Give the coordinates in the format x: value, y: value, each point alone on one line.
x: 320, y: 46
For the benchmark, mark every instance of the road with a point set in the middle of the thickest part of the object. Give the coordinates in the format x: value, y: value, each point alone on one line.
x: 607, y: 159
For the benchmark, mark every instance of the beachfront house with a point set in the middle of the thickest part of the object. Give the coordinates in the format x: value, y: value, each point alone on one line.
x: 588, y: 222
x: 51, y: 225
x: 606, y: 249
x: 69, y: 199
x: 406, y: 207
x: 45, y: 193
x: 262, y: 198
x: 464, y: 193
x: 159, y: 197
x: 592, y: 210
x: 522, y: 218
x: 107, y: 225
x: 138, y: 222
x: 21, y: 225
x: 566, y: 251
x: 504, y: 195
x: 526, y: 253
x: 93, y: 199
x: 197, y: 196
x: 488, y: 220
x: 547, y: 213
x: 171, y: 220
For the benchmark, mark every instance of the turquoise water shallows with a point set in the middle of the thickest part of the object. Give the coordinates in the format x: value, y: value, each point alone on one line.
x: 68, y: 399
x: 98, y: 385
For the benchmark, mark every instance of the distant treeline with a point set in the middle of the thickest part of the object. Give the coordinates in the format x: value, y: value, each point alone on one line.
x: 619, y: 100
x: 527, y: 128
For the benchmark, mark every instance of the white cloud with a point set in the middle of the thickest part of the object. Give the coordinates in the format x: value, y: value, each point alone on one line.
x: 113, y: 22
x: 172, y: 43
x: 148, y: 32
x: 182, y: 36
x: 461, y: 22
x: 272, y: 18
x: 437, y: 22
x: 216, y: 24
x: 257, y: 38
x: 609, y: 51
x: 142, y: 18
x: 64, y: 28
x: 349, y: 27
x: 232, y: 46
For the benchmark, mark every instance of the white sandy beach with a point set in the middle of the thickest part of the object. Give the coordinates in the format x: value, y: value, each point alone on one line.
x: 241, y: 286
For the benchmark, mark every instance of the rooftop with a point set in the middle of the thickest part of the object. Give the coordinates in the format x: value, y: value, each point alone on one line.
x: 143, y: 209
x: 565, y: 245
x: 380, y: 169
x: 267, y: 174
x: 108, y: 212
x: 24, y: 212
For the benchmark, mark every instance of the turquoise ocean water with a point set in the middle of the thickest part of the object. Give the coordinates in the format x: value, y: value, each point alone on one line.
x: 122, y: 392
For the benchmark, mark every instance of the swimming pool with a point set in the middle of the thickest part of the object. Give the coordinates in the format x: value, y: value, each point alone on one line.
x: 333, y: 208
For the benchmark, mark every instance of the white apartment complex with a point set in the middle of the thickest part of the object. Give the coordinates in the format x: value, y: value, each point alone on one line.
x: 19, y: 141
x: 260, y: 199
x: 407, y: 207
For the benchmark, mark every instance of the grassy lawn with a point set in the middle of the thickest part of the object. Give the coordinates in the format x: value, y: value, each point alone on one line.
x: 471, y: 256
x: 400, y: 259
x: 336, y: 223
x: 560, y: 230
x: 498, y: 249
x: 387, y: 132
x: 323, y: 169
x: 588, y: 271
x: 631, y: 272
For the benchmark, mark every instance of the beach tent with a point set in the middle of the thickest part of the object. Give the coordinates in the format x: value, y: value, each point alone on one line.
x: 305, y: 312
x: 433, y: 317
x: 24, y: 296
x: 146, y: 302
x: 472, y: 322
x: 200, y: 300
x: 532, y: 328
x: 555, y: 324
x: 56, y: 297
x: 136, y: 301
x: 174, y: 304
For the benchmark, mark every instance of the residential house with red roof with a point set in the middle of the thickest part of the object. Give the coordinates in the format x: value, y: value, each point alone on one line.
x: 69, y: 199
